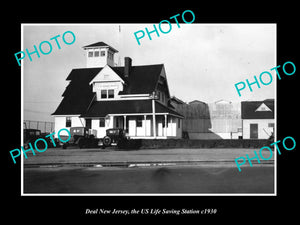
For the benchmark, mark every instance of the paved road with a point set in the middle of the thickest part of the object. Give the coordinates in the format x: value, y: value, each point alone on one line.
x: 98, y: 156
x: 173, y: 179
x: 200, y: 171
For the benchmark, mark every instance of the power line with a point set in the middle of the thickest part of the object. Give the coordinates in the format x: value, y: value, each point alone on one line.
x: 36, y: 111
x: 41, y: 102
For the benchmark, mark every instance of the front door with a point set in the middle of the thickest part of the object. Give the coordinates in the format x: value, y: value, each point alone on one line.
x: 132, y: 127
x: 253, y: 130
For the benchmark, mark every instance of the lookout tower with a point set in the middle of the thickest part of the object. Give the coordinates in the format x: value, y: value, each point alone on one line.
x: 99, y: 54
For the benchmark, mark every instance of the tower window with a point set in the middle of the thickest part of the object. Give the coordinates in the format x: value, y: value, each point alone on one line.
x: 102, y: 53
x: 90, y: 54
x: 96, y: 53
x: 110, y: 55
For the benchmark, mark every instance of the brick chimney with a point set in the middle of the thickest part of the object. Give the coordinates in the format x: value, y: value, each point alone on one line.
x: 127, y: 66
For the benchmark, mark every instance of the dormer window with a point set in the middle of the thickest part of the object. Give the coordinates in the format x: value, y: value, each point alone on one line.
x: 103, y: 93
x: 111, y: 93
x: 107, y: 93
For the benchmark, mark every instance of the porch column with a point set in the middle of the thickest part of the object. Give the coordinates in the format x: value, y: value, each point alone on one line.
x: 166, y: 122
x: 153, y: 115
x: 124, y: 123
x: 145, y: 125
x: 172, y: 133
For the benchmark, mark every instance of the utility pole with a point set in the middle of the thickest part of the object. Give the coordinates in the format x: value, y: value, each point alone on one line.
x: 153, y: 97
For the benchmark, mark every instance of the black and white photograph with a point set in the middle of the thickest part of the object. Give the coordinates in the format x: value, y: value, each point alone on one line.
x: 120, y: 114
x: 129, y: 112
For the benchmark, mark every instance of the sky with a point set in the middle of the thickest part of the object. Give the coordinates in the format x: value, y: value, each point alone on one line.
x: 202, y: 61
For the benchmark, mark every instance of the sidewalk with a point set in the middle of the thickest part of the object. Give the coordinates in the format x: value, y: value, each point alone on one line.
x: 145, y: 157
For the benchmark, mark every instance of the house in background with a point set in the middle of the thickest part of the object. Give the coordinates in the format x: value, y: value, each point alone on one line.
x: 104, y: 96
x: 258, y: 119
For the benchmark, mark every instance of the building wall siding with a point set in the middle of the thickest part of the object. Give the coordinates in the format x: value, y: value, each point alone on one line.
x: 60, y: 122
x: 146, y: 130
x: 211, y: 121
x: 263, y: 129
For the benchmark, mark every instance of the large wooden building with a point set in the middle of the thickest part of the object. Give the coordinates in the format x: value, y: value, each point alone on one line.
x: 216, y: 120
x: 104, y: 96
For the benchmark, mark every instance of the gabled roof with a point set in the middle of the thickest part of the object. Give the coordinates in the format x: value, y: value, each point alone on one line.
x: 176, y: 100
x: 78, y: 94
x: 196, y: 102
x: 249, y: 109
x: 222, y: 101
x: 100, y: 44
x: 142, y: 79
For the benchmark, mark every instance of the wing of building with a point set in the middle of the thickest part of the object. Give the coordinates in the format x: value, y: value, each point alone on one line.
x: 104, y: 96
x: 257, y: 119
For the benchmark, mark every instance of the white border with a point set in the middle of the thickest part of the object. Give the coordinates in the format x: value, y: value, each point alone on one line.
x: 149, y: 194
x: 22, y: 111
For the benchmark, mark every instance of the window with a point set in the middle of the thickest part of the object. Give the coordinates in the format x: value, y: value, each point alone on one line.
x: 68, y: 122
x: 34, y: 133
x: 101, y: 122
x: 90, y: 54
x: 139, y: 122
x: 111, y: 93
x: 88, y: 123
x: 103, y: 93
x: 110, y: 55
x: 102, y: 53
x: 97, y: 53
x: 117, y: 122
x: 179, y: 121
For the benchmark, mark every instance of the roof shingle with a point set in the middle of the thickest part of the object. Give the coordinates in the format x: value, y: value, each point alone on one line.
x: 100, y: 44
x: 78, y: 94
x: 248, y: 109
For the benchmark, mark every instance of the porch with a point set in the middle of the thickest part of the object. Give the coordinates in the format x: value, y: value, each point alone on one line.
x: 139, y: 126
x: 146, y: 119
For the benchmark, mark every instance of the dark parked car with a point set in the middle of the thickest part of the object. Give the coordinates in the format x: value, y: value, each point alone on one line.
x: 115, y: 136
x: 31, y: 135
x: 80, y: 136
